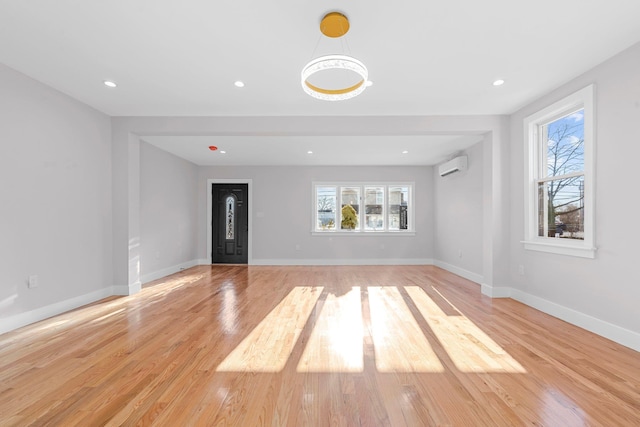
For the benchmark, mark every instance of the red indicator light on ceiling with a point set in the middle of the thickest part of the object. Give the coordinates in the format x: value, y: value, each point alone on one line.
x: 213, y: 148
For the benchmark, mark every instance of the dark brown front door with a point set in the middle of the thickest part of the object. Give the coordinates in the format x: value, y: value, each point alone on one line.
x: 230, y: 223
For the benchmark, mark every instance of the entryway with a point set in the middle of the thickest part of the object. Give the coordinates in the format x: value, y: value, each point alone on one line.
x: 229, y: 223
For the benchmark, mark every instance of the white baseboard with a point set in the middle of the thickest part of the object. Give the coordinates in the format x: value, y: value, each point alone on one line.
x: 155, y: 275
x: 19, y: 320
x: 469, y: 275
x: 22, y: 319
x: 615, y: 333
x: 324, y: 261
x: 495, y: 291
x: 123, y: 290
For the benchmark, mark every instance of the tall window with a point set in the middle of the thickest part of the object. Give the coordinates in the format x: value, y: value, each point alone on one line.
x: 559, y: 185
x: 363, y: 207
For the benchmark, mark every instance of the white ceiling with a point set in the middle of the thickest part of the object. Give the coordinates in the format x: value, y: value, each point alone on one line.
x: 173, y: 58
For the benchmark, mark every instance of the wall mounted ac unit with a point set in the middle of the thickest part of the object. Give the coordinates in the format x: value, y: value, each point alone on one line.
x: 456, y: 164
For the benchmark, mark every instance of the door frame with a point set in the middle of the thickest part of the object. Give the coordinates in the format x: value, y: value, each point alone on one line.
x: 249, y: 183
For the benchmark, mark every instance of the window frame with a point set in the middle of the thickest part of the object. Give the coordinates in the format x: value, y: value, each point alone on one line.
x: 362, y: 230
x: 535, y: 172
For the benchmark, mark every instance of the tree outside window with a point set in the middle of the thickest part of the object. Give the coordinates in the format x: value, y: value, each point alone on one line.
x: 562, y: 189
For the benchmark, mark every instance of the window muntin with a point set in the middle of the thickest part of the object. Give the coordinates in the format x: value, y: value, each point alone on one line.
x: 363, y: 207
x: 559, y: 197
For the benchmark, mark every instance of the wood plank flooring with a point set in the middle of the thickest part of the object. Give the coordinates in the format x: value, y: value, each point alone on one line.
x: 314, y: 346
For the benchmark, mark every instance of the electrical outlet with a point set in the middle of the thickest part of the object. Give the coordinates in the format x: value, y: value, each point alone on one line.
x: 521, y: 270
x: 32, y: 282
x: 460, y: 253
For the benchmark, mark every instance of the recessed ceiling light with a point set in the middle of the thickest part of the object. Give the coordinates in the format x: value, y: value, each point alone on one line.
x: 239, y: 84
x: 405, y: 152
x: 498, y: 82
x: 223, y: 152
x: 309, y: 152
x: 369, y: 83
x: 109, y: 83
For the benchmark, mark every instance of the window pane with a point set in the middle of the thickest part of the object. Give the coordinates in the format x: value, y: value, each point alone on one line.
x: 230, y: 221
x: 374, y: 208
x: 398, y: 208
x: 561, y: 208
x: 565, y: 144
x: 350, y: 208
x: 326, y: 207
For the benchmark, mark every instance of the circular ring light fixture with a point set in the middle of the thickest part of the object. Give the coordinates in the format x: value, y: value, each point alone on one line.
x: 334, y: 25
x: 332, y: 62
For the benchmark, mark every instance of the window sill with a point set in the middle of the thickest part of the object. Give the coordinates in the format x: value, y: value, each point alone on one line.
x: 561, y: 248
x: 363, y: 233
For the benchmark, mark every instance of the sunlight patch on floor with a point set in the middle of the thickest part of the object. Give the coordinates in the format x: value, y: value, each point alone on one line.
x: 335, y: 345
x: 268, y: 347
x: 229, y: 314
x: 470, y: 349
x: 400, y: 345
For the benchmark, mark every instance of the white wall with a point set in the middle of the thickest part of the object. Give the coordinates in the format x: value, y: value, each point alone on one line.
x: 55, y: 201
x: 168, y: 217
x: 127, y: 131
x: 459, y: 217
x: 601, y: 294
x: 282, y: 215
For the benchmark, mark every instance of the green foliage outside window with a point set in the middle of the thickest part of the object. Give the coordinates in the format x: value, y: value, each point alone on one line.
x: 349, y: 218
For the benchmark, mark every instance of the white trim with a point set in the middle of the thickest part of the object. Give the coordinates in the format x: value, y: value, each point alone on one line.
x: 469, y: 275
x: 550, y: 246
x: 326, y: 261
x: 605, y: 329
x: 132, y: 289
x: 600, y: 327
x: 615, y: 333
x: 125, y: 290
x: 495, y: 291
x: 154, y: 275
x: 26, y: 318
x: 249, y: 183
x: 331, y: 233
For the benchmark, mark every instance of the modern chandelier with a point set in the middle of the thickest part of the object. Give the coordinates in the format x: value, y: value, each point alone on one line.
x: 334, y: 25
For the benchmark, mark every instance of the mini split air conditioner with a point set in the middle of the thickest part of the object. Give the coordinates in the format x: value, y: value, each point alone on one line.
x: 456, y: 164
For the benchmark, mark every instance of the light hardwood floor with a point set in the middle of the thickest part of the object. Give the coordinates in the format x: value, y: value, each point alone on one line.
x: 314, y: 346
